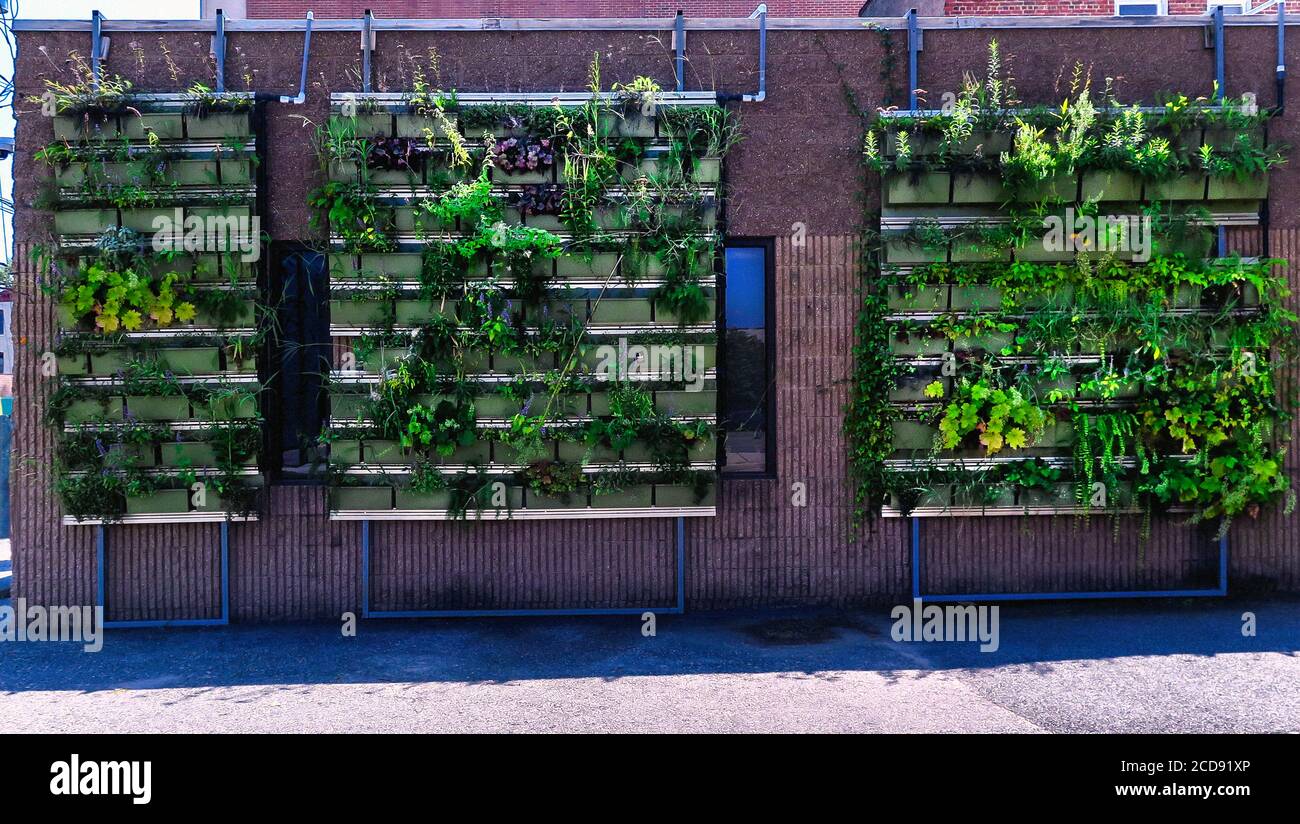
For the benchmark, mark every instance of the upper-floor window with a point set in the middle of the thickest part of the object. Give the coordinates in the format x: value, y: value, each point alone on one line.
x: 1141, y: 8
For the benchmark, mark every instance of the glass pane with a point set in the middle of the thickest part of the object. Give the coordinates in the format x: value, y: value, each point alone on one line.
x: 744, y: 416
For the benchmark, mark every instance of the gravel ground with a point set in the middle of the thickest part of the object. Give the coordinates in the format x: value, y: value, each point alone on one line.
x: 1093, y: 667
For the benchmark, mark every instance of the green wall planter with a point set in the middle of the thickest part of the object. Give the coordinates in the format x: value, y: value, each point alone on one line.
x: 193, y: 172
x: 347, y: 407
x: 991, y: 496
x: 969, y: 253
x: 373, y: 124
x: 410, y: 499
x: 1038, y: 252
x: 495, y: 406
x: 634, y: 497
x: 1059, y: 495
x: 707, y: 170
x: 621, y: 310
x: 142, y: 220
x: 910, y: 435
x: 158, y: 408
x: 629, y: 123
x: 976, y: 297
x: 536, y: 500
x: 351, y: 312
x: 1058, y: 187
x: 1110, y: 186
x: 217, y: 126
x: 240, y: 316
x: 197, y: 361
x: 1190, y: 186
x: 1222, y: 188
x: 84, y: 221
x: 69, y: 127
x: 687, y: 403
x: 77, y: 364
x: 683, y: 496
x: 912, y: 387
x: 188, y: 454
x: 108, y: 363
x: 902, y: 252
x: 234, y: 407
x: 396, y: 265
x: 84, y: 411
x: 978, y: 188
x: 361, y: 498
x: 384, y: 452
x: 412, y: 312
x: 520, y: 178
x: 663, y: 314
x: 162, y: 502
x: 345, y: 453
x: 1055, y: 435
x: 924, y: 187
x: 236, y: 171
x: 908, y: 298
x: 993, y: 342
x: 918, y: 345
x: 598, y: 268
x: 66, y: 317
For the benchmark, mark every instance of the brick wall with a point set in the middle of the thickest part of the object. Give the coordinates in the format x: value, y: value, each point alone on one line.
x: 550, y: 8
x: 798, y: 162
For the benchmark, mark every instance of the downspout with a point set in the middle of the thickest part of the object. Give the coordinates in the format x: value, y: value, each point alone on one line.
x: 302, y: 78
x: 761, y: 14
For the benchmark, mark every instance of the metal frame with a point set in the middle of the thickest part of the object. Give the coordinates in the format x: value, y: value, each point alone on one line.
x: 367, y: 612
x: 1216, y: 592
x: 101, y: 552
x: 665, y: 24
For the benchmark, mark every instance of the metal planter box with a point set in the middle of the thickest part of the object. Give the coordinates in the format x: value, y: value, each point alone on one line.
x: 73, y: 364
x: 396, y: 265
x: 361, y: 497
x: 1222, y: 188
x: 84, y: 411
x: 162, y: 502
x: 634, y: 497
x: 188, y: 454
x: 235, y: 407
x: 410, y: 499
x: 84, y: 221
x: 683, y: 496
x: 1187, y: 187
x: 345, y: 453
x: 925, y: 187
x: 197, y: 361
x: 978, y: 188
x: 357, y: 312
x: 910, y: 435
x: 218, y: 125
x: 158, y: 408
x: 1110, y: 186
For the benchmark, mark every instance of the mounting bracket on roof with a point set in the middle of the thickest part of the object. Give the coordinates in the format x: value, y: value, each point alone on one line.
x: 367, y: 46
x: 98, y: 46
x: 219, y: 50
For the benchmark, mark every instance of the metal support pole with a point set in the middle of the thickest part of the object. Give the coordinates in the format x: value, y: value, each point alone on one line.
x: 366, y: 36
x: 681, y: 564
x: 365, y: 569
x: 1219, y: 82
x: 96, y: 29
x: 679, y: 46
x: 1218, y: 53
x: 913, y: 47
x: 219, y: 50
x: 1281, y: 56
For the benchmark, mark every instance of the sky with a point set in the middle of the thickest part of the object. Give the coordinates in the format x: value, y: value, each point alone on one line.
x: 75, y: 10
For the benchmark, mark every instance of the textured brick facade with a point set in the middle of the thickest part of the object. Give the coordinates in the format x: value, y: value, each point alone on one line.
x: 797, y: 163
x: 391, y: 9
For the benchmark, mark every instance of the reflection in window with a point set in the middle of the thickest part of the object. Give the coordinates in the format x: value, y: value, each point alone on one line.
x: 747, y: 399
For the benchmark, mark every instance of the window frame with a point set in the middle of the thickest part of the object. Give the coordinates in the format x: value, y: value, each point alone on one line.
x: 1162, y: 7
x: 768, y: 245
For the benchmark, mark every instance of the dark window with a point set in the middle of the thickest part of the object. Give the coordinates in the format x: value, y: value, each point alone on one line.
x: 299, y: 292
x: 748, y: 402
x: 2, y: 322
x: 1124, y: 9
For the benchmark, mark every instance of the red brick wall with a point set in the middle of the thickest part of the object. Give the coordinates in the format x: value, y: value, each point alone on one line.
x: 551, y: 8
x: 798, y: 162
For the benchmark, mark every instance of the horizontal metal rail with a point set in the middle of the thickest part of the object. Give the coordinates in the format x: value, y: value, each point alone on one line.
x: 523, y: 514
x: 659, y: 24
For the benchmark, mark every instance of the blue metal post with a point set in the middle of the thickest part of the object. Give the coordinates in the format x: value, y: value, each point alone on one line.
x: 219, y: 47
x: 96, y: 29
x: 365, y: 569
x: 913, y: 46
x: 365, y: 50
x: 679, y: 46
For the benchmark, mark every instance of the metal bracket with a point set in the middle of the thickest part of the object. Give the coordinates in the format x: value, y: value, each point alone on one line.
x: 101, y: 558
x: 679, y: 49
